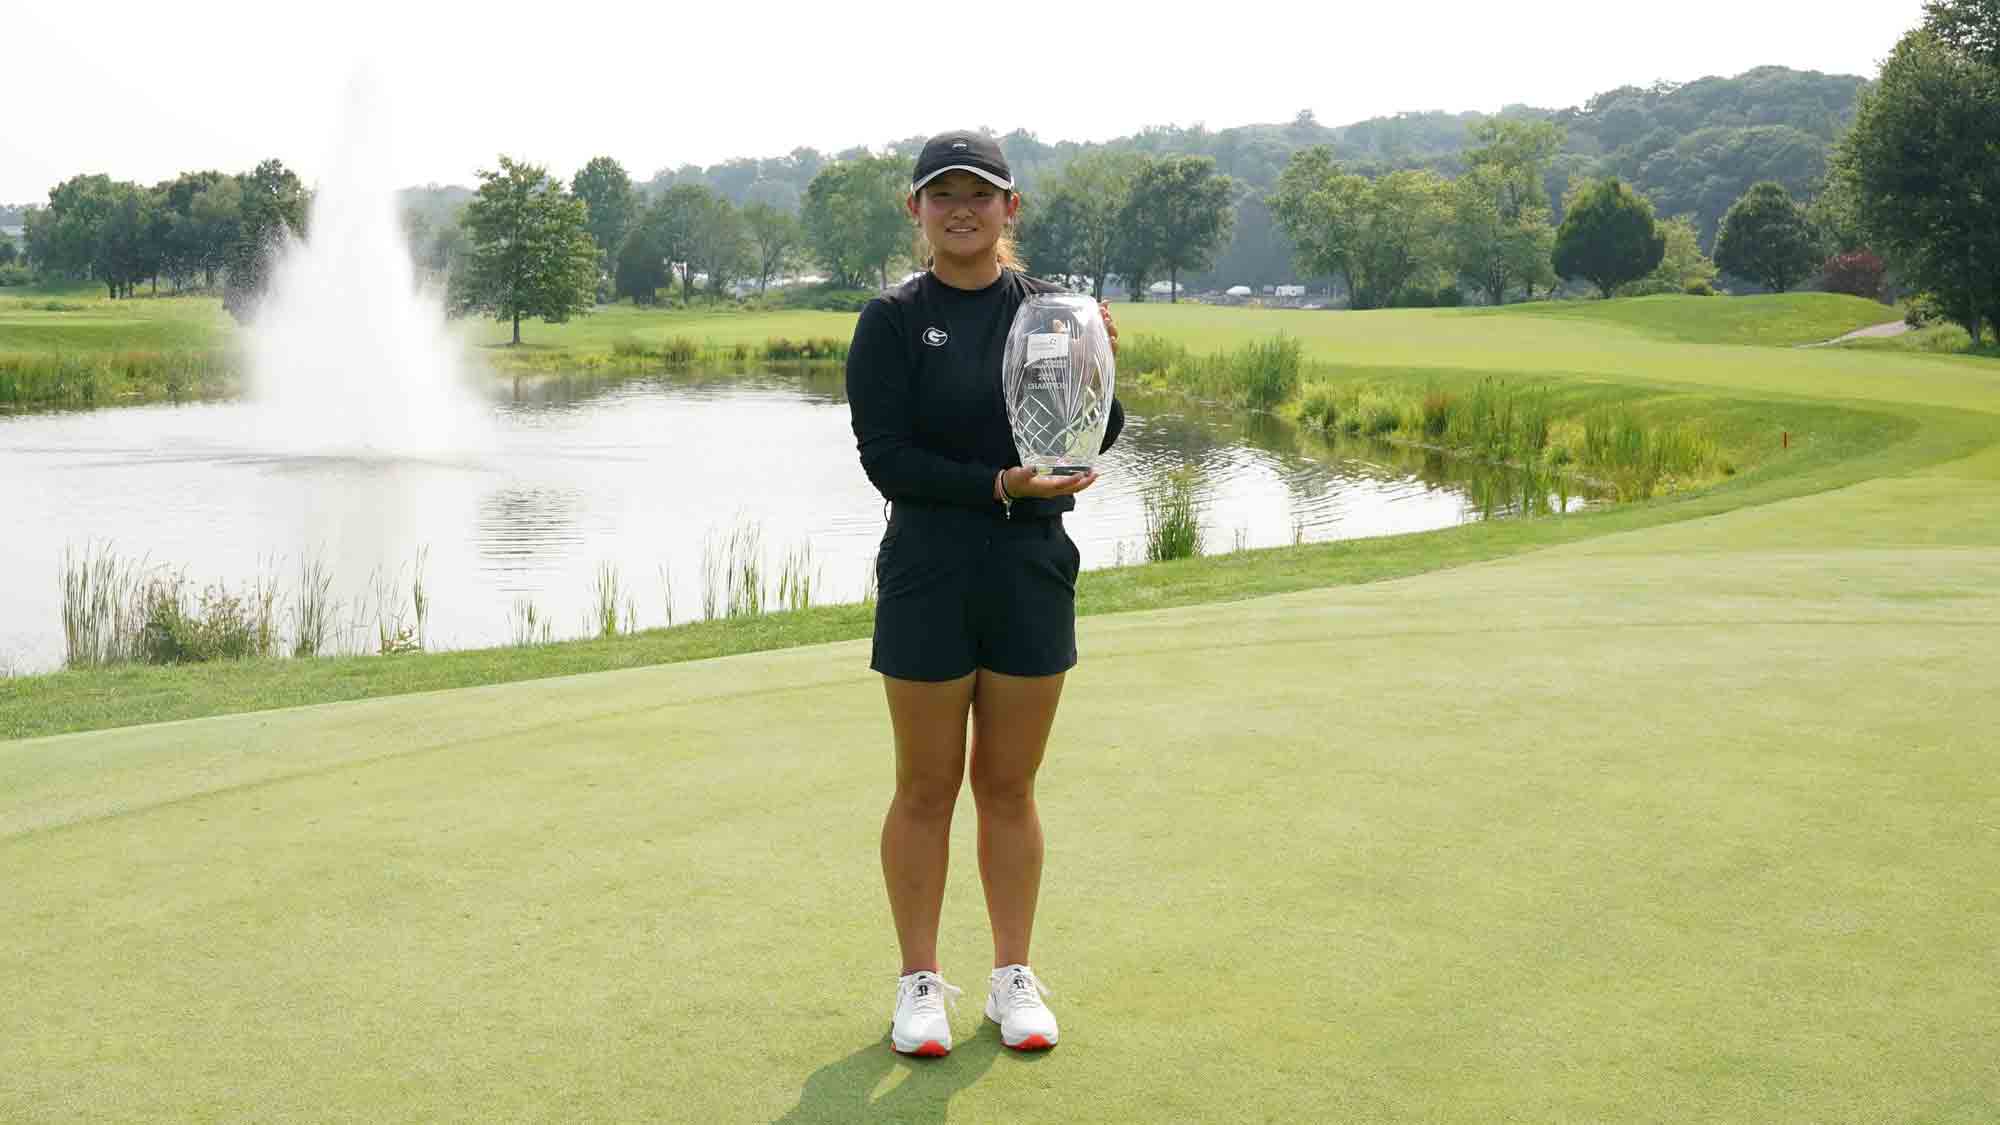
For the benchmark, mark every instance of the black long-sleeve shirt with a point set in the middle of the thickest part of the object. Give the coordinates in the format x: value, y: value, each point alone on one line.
x: 923, y: 388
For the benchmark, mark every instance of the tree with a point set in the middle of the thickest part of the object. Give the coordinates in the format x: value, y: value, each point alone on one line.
x: 1179, y: 211
x: 67, y: 242
x: 1050, y: 236
x: 642, y: 264
x: 1971, y: 27
x: 720, y: 246
x: 1706, y: 171
x: 854, y: 218
x: 273, y: 209
x: 1835, y: 215
x: 673, y: 230
x: 1608, y: 236
x: 606, y: 191
x: 1682, y: 269
x: 1519, y: 152
x: 1375, y: 235
x: 1767, y: 238
x: 1493, y: 250
x: 1501, y: 233
x: 1858, y: 274
x: 1920, y: 163
x: 669, y: 231
x: 1096, y: 187
x: 125, y: 252
x: 184, y: 253
x: 215, y: 224
x: 37, y: 235
x: 7, y: 252
x: 532, y: 254
x: 775, y: 237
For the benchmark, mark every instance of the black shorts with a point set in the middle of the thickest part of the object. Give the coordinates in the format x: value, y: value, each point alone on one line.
x: 959, y: 589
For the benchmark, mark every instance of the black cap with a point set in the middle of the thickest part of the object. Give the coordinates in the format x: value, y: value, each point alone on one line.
x: 962, y: 151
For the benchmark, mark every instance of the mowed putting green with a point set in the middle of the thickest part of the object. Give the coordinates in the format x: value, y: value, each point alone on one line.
x: 1692, y: 820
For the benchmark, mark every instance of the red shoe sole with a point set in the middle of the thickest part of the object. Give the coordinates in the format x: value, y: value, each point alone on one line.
x: 932, y: 1049
x: 1032, y: 1043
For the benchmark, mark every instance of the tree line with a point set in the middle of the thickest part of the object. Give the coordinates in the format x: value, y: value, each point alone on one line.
x: 1907, y: 187
x: 1916, y: 179
x: 195, y: 229
x: 1693, y: 148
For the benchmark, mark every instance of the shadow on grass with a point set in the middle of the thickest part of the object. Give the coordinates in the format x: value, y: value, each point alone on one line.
x: 843, y: 1091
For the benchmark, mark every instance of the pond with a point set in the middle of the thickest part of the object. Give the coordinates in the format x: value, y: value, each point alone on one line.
x: 642, y: 474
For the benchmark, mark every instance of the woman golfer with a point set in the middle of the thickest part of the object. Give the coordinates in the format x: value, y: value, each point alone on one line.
x: 976, y: 609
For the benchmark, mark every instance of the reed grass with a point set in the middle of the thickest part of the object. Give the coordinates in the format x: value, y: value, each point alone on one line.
x: 667, y: 592
x: 1522, y: 426
x: 606, y: 598
x: 314, y: 610
x: 744, y: 571
x: 102, y: 607
x: 732, y: 569
x: 737, y: 580
x: 396, y: 626
x: 84, y: 378
x: 640, y: 354
x: 1173, y: 516
x: 528, y: 625
x: 180, y: 627
x: 1497, y: 420
x: 420, y: 599
x: 118, y: 610
x: 1260, y: 375
x: 797, y: 575
x: 1319, y: 406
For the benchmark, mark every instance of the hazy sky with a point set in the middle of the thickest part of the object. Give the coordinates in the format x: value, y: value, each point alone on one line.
x: 145, y: 91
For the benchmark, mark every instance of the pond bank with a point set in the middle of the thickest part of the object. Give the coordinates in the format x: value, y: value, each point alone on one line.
x: 1850, y: 445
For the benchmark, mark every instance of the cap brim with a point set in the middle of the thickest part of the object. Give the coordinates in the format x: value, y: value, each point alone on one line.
x: 1001, y: 182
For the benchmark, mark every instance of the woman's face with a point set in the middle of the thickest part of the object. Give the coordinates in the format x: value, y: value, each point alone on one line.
x: 962, y: 215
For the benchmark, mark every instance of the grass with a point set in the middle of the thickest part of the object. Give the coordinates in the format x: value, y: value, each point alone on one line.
x: 105, y: 378
x: 1677, y: 810
x: 1935, y: 339
x: 70, y: 320
x: 1173, y: 516
x: 629, y: 334
x: 1846, y: 445
x: 1259, y: 375
x: 1833, y: 409
x: 67, y: 346
x: 1770, y: 320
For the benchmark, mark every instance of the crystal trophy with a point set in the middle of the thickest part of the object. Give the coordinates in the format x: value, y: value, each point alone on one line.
x: 1057, y: 375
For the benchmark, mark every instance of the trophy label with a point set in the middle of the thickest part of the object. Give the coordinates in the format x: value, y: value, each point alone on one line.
x: 1047, y: 345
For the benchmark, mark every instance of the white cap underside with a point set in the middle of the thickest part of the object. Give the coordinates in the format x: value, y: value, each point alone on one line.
x: 997, y: 181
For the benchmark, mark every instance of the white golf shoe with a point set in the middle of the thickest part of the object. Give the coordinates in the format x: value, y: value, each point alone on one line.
x: 920, y: 1026
x: 1014, y: 1001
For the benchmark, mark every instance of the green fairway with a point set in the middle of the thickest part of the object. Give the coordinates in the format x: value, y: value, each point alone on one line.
x: 610, y: 325
x: 1680, y: 812
x: 87, y: 321
x: 1772, y: 319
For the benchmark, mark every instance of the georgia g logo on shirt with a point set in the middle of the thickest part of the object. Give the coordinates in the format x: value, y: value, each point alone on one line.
x: 935, y: 337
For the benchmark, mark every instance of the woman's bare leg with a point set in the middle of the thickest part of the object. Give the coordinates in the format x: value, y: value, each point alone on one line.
x: 929, y: 722
x: 1011, y: 718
